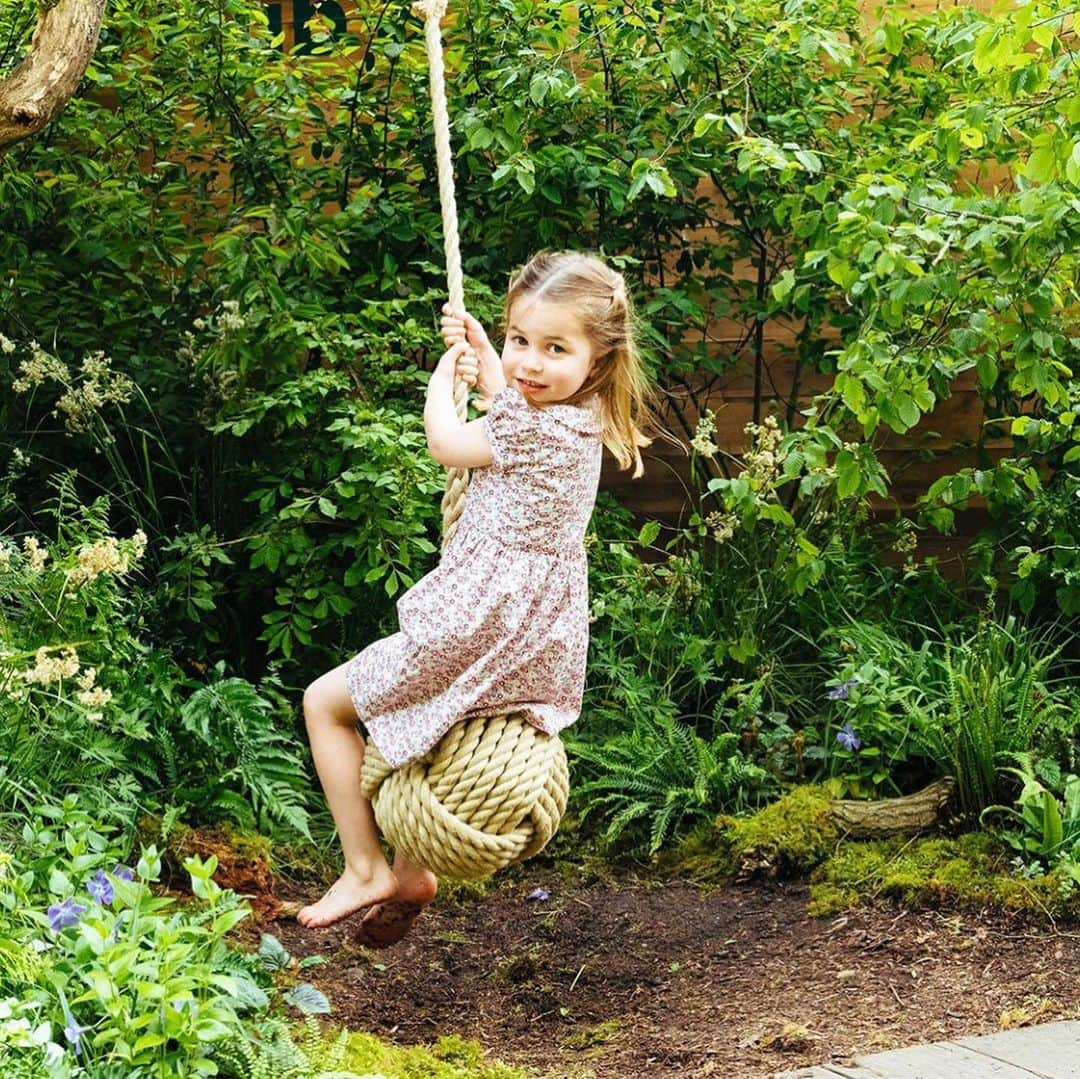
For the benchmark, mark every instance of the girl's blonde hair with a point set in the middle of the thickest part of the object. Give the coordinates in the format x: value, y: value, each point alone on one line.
x: 598, y: 297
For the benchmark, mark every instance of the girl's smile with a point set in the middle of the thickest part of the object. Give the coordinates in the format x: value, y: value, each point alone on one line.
x: 547, y: 353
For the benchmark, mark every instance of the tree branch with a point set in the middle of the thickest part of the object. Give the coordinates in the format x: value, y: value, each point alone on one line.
x: 38, y: 89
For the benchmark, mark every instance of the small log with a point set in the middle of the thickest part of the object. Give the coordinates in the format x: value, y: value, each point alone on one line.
x: 922, y: 811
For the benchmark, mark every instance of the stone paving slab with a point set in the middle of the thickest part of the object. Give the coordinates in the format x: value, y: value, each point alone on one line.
x: 1048, y: 1051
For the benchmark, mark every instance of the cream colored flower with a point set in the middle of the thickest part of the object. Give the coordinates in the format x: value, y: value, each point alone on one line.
x: 48, y: 669
x: 93, y: 697
x: 702, y: 441
x: 722, y: 524
x: 39, y: 367
x: 100, y: 386
x: 106, y: 556
x: 35, y: 555
x: 230, y: 317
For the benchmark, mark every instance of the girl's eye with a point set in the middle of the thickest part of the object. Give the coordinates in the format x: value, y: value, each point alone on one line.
x: 558, y: 348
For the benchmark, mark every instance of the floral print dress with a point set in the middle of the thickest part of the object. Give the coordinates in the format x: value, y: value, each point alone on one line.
x: 502, y: 623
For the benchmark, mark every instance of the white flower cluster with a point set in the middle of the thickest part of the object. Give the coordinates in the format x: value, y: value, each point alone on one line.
x: 702, y: 442
x: 106, y: 556
x: 35, y: 554
x: 48, y: 669
x: 905, y: 544
x: 90, y: 695
x: 40, y: 366
x: 80, y: 403
x: 763, y: 459
x: 722, y: 524
x: 228, y: 318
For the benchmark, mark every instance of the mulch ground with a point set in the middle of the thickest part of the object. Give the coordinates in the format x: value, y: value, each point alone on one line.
x: 639, y: 978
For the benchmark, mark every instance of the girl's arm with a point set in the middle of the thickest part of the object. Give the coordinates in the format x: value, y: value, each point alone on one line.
x: 452, y: 443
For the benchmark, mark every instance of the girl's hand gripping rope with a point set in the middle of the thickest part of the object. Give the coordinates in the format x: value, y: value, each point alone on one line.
x: 483, y: 368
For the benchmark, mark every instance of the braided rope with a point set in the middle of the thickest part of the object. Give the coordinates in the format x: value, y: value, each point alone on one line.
x: 492, y: 792
x: 494, y: 789
x: 457, y: 479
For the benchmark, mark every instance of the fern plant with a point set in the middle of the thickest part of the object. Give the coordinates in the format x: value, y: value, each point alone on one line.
x: 661, y: 776
x: 259, y: 776
x: 269, y: 1051
x: 998, y: 705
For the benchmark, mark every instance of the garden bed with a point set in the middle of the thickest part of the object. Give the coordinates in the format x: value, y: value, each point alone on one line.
x: 629, y: 978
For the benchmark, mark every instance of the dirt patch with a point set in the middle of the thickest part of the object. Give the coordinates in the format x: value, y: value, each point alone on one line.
x: 638, y: 978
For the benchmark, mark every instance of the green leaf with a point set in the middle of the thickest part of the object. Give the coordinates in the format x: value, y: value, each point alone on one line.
x: 307, y: 999
x: 783, y: 286
x: 1042, y: 165
x: 649, y: 531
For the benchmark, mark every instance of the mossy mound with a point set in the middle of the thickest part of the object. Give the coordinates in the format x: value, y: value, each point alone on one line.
x: 973, y: 870
x: 449, y: 1058
x: 788, y: 837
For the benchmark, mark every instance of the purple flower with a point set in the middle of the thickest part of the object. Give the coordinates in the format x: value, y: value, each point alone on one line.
x: 115, y: 934
x: 121, y: 872
x: 843, y: 690
x: 63, y: 915
x: 73, y: 1032
x: 540, y: 894
x: 847, y: 738
x: 100, y: 888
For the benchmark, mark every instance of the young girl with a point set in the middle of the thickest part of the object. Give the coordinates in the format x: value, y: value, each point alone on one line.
x: 501, y: 624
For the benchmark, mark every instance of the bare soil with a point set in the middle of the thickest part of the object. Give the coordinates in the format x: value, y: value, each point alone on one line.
x: 635, y: 977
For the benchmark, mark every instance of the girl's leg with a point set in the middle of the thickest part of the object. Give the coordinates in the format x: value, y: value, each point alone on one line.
x: 338, y: 751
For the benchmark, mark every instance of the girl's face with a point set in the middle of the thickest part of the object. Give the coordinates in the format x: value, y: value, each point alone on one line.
x: 547, y: 354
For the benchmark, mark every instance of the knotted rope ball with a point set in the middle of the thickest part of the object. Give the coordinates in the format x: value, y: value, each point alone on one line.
x: 491, y: 792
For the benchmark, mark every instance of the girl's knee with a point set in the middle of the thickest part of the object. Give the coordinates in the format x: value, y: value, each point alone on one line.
x: 326, y: 701
x: 316, y: 706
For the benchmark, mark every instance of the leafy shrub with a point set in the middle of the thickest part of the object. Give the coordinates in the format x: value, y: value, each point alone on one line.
x: 259, y: 774
x: 113, y: 980
x: 661, y: 777
x: 90, y: 708
x: 1046, y: 817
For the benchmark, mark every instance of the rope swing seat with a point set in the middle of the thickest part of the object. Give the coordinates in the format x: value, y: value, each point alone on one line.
x: 493, y: 790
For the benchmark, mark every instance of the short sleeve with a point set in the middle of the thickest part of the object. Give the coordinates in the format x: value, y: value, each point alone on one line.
x: 524, y: 436
x: 513, y: 429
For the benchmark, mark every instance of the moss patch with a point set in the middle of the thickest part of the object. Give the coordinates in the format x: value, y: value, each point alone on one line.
x: 971, y: 870
x: 790, y: 836
x: 795, y: 835
x: 593, y: 1037
x: 449, y: 1058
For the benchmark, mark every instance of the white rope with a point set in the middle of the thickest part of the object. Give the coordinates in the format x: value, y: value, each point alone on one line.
x: 433, y: 10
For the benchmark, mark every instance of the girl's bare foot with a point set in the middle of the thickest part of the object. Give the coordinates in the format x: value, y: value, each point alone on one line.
x: 349, y: 893
x: 387, y: 923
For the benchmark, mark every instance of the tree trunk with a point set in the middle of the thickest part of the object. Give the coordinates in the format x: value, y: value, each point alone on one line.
x: 60, y: 50
x: 918, y: 812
